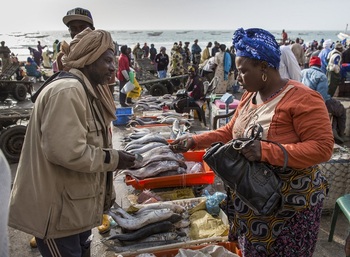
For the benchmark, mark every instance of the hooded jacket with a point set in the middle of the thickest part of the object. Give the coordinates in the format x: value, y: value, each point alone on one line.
x: 64, y: 180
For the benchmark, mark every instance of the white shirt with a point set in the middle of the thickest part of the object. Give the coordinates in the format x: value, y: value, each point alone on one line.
x: 289, y: 67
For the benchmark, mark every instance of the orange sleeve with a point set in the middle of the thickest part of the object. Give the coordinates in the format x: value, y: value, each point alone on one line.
x: 311, y: 139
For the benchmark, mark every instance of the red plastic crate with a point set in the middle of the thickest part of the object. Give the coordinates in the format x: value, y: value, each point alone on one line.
x: 182, y: 180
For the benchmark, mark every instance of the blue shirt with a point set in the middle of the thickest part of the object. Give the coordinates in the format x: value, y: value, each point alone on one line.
x: 315, y: 79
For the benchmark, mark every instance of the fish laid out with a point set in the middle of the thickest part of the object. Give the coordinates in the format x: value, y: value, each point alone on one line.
x: 150, y: 225
x: 152, y: 137
x: 135, y: 223
x: 154, y: 168
x: 157, y: 158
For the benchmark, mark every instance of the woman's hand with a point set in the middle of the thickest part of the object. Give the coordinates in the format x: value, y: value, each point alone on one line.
x: 252, y: 151
x: 126, y: 159
x: 182, y: 144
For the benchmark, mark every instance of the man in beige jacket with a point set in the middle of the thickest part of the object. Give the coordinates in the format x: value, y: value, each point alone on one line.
x: 64, y: 180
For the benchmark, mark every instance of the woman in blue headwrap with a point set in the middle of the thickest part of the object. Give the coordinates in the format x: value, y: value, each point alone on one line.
x: 292, y: 115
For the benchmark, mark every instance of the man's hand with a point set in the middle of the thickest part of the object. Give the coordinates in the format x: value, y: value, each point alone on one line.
x: 126, y: 159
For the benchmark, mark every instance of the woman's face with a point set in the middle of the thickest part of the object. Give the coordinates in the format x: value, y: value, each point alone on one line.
x: 249, y: 74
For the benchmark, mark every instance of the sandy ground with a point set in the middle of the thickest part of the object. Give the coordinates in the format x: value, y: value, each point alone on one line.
x: 19, y: 241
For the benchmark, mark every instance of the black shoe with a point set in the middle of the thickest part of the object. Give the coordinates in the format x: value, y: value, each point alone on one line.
x: 129, y: 101
x: 124, y: 105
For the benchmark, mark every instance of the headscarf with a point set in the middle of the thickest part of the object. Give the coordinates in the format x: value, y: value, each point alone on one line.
x: 327, y: 43
x: 257, y: 44
x: 86, y: 47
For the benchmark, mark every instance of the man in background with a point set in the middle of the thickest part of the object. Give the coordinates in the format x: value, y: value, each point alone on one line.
x: 5, y: 55
x: 315, y: 79
x: 289, y: 67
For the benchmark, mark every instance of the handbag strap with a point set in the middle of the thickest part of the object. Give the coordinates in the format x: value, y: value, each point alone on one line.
x: 256, y: 134
x: 284, y: 153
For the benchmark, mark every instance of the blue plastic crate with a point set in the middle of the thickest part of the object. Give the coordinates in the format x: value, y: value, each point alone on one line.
x: 124, y: 110
x: 123, y: 116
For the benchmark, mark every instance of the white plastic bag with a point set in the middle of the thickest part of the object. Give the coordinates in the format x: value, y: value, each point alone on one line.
x: 128, y: 87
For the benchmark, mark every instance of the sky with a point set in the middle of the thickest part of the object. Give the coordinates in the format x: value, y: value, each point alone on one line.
x: 45, y: 15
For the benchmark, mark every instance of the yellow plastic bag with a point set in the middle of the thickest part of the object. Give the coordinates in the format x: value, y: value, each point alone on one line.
x: 136, y: 92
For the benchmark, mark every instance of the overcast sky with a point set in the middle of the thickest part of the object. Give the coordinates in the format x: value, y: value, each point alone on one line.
x: 43, y: 15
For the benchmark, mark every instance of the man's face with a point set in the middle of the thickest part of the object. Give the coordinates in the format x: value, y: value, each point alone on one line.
x: 102, y: 70
x: 75, y: 27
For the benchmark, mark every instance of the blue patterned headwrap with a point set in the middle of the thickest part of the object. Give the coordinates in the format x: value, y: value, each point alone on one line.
x: 257, y: 44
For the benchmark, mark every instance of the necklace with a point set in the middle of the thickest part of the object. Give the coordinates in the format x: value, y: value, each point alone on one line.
x: 275, y: 93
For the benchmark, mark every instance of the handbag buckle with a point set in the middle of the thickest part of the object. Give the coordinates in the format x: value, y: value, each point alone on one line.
x: 240, y: 144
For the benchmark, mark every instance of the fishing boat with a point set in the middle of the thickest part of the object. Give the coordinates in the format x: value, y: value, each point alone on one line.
x: 344, y: 35
x: 155, y: 33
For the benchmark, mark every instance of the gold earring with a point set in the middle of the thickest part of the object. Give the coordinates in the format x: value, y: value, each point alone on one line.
x: 264, y: 77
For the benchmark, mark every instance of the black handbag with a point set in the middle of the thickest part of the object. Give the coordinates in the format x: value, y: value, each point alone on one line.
x: 255, y: 183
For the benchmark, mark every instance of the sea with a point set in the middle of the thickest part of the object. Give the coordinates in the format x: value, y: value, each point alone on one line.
x: 18, y: 42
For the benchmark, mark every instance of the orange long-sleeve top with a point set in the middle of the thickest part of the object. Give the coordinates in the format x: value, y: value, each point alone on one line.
x: 300, y: 122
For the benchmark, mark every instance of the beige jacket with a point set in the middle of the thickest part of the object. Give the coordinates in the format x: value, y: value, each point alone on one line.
x: 61, y: 186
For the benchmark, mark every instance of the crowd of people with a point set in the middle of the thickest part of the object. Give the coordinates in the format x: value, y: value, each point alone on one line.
x: 322, y: 66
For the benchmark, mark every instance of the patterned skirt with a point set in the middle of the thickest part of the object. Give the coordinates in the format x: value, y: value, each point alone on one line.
x: 293, y: 230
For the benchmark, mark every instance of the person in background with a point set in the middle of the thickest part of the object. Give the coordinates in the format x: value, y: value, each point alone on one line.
x: 188, y: 54
x: 123, y: 74
x: 130, y: 56
x: 324, y: 54
x: 196, y: 52
x: 317, y: 50
x: 206, y: 52
x: 55, y: 49
x: 152, y: 53
x: 71, y: 174
x: 284, y: 36
x: 5, y: 189
x: 5, y: 55
x: 32, y: 68
x: 296, y: 117
x: 137, y: 52
x: 36, y: 55
x: 47, y: 59
x: 289, y: 67
x: 215, y: 48
x: 176, y: 62
x: 145, y: 50
x: 315, y: 79
x: 40, y: 47
x: 308, y: 52
x: 162, y: 61
x: 298, y: 52
x: 194, y: 91
x: 223, y: 65
x: 334, y: 62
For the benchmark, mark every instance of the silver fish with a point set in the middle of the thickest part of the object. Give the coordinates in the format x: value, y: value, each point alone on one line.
x: 146, y: 147
x: 151, y: 170
x: 153, y: 137
x: 139, y: 222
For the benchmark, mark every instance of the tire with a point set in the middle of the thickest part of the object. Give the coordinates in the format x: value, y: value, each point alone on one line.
x: 20, y: 92
x: 158, y: 90
x: 11, y: 142
x: 170, y: 88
